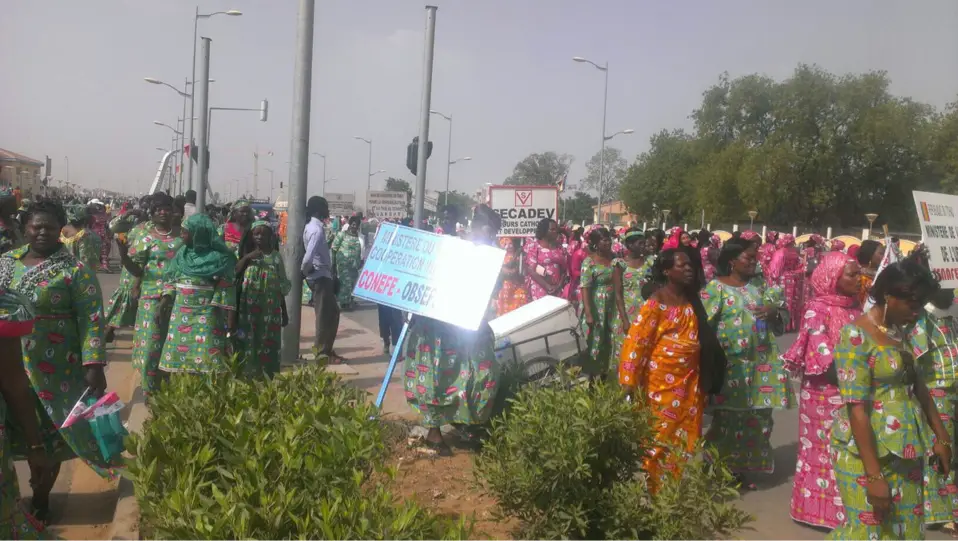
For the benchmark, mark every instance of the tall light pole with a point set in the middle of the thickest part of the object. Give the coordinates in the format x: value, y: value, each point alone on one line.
x: 448, y: 153
x: 323, y: 156
x: 186, y: 95
x: 451, y: 162
x: 369, y: 166
x: 196, y: 20
x: 270, y: 184
x: 299, y: 156
x: 605, y: 103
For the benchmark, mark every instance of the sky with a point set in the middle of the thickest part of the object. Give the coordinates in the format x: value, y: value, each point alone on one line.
x: 71, y: 78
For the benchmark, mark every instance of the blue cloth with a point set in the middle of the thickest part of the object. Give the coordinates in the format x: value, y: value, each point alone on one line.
x: 317, y: 261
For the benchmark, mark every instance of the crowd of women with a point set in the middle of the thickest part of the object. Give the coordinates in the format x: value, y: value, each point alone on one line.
x: 687, y: 324
x: 194, y: 294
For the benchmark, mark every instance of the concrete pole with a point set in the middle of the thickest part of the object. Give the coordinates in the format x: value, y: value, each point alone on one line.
x: 204, y: 118
x: 448, y: 161
x: 189, y: 180
x: 179, y: 188
x: 605, y: 104
x: 418, y: 210
x: 293, y: 250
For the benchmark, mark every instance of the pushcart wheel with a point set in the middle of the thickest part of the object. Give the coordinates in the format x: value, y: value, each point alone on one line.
x: 540, y: 369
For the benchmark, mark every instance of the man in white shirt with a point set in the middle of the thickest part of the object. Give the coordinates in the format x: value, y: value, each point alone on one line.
x: 189, y: 208
x: 321, y: 278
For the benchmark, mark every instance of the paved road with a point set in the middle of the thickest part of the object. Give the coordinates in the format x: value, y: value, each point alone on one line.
x: 769, y: 504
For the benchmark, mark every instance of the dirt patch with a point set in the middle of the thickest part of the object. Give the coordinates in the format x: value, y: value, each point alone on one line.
x: 445, y: 485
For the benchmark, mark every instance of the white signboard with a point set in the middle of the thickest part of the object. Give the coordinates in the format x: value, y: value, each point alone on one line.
x: 421, y: 272
x: 387, y: 205
x: 340, y: 204
x: 431, y: 202
x: 522, y: 207
x: 938, y: 217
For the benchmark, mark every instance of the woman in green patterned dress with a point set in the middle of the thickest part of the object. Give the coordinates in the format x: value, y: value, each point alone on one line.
x: 79, y: 239
x: 199, y: 286
x: 347, y: 261
x: 934, y: 342
x: 18, y: 417
x: 64, y: 355
x: 262, y: 286
x: 628, y: 279
x: 598, y: 306
x: 755, y: 379
x: 121, y: 310
x: 241, y: 216
x: 451, y: 374
x: 889, y: 425
x: 146, y: 260
x: 10, y: 236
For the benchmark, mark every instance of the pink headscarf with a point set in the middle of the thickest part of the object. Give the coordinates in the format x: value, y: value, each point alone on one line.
x: 837, y: 245
x: 749, y: 235
x: 716, y: 241
x: 785, y: 240
x: 675, y: 240
x: 771, y: 237
x: 817, y: 239
x: 825, y: 315
x: 853, y: 251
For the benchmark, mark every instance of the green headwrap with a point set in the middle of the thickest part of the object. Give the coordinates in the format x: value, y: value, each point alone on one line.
x: 207, y: 257
x: 239, y: 203
x: 76, y: 213
x: 246, y: 236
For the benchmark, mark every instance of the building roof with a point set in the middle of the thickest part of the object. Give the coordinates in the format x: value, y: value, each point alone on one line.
x: 10, y: 156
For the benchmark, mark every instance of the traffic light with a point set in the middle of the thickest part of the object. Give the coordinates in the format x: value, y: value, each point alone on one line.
x: 412, y: 154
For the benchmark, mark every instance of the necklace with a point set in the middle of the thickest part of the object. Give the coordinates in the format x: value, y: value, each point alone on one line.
x: 892, y: 333
x: 161, y: 232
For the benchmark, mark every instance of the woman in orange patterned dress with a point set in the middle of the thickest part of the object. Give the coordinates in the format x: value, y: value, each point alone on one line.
x: 663, y: 359
x: 869, y: 256
x: 512, y: 291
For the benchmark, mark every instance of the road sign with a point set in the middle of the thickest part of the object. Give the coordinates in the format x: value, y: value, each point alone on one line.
x: 387, y: 205
x: 341, y: 204
x: 522, y: 207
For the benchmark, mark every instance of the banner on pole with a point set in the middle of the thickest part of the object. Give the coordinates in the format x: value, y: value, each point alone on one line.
x: 340, y: 204
x: 522, y: 207
x: 387, y: 205
x: 938, y: 217
x: 421, y: 272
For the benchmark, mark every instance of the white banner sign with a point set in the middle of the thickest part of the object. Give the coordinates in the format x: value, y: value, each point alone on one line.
x: 421, y: 272
x: 387, y: 205
x: 340, y: 203
x: 938, y: 217
x: 522, y: 207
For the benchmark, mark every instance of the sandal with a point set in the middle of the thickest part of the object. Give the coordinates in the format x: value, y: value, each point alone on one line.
x: 440, y: 447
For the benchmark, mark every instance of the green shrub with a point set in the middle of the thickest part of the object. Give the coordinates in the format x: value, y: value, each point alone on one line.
x: 228, y: 458
x: 566, y: 462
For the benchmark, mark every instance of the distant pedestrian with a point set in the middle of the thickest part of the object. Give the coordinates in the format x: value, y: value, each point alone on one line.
x: 347, y: 250
x: 189, y: 207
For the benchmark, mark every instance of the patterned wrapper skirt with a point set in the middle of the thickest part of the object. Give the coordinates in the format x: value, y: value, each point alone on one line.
x: 743, y: 439
x: 941, y: 494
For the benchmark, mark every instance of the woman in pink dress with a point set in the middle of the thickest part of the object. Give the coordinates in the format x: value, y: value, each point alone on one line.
x: 815, y: 497
x: 837, y: 246
x: 546, y: 263
x: 578, y: 251
x: 785, y: 270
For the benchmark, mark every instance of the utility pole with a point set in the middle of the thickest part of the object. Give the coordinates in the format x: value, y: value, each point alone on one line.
x: 255, y: 169
x: 204, y: 119
x: 293, y: 250
x: 424, y: 115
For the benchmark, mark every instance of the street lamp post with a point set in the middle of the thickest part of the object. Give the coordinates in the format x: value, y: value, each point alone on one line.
x: 448, y: 153
x: 871, y: 217
x: 451, y: 162
x: 751, y: 219
x: 323, y: 156
x: 605, y: 103
x: 369, y: 165
x: 270, y: 183
x: 196, y: 19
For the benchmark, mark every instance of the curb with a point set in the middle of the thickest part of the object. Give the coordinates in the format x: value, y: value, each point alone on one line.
x: 126, y: 515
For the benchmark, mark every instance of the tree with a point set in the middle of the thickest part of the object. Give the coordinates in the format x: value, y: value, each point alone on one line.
x: 814, y: 149
x: 613, y: 171
x: 577, y: 207
x: 545, y: 169
x: 460, y: 200
x: 397, y: 185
